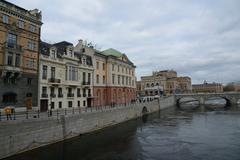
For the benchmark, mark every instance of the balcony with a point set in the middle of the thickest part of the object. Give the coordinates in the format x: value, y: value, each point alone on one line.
x: 86, y: 83
x: 78, y: 95
x: 70, y: 95
x: 60, y: 95
x: 44, y: 95
x: 13, y: 46
x: 54, y: 80
x: 52, y: 95
x: 84, y: 95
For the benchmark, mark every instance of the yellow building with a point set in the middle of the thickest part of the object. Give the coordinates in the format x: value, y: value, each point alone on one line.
x: 19, y: 51
x: 207, y: 88
x: 163, y: 82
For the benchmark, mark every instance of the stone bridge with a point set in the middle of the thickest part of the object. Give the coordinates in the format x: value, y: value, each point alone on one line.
x: 230, y: 97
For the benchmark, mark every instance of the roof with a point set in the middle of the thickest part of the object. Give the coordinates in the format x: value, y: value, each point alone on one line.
x: 112, y: 52
x: 44, y: 47
x: 63, y: 44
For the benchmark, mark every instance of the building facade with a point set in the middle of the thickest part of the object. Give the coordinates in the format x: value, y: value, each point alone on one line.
x: 207, y: 88
x: 114, y: 76
x: 66, y: 77
x: 163, y: 82
x: 19, y: 54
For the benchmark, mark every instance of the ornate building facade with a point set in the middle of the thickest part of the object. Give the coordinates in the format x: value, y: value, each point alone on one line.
x: 66, y: 77
x: 163, y: 82
x: 114, y: 76
x: 19, y: 52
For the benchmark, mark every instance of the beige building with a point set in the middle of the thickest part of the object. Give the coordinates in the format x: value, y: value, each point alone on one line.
x: 163, y: 82
x: 66, y: 77
x: 114, y: 76
x: 19, y: 51
x: 207, y: 88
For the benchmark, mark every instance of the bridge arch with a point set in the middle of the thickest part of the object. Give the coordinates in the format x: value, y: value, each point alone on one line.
x: 190, y: 99
x: 144, y: 110
x: 227, y: 99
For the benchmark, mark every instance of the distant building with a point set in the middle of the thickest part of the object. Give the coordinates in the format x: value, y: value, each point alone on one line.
x: 163, y: 82
x: 207, y: 88
x: 232, y: 87
x: 66, y: 77
x: 19, y: 51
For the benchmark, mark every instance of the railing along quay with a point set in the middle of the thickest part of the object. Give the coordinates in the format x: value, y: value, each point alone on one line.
x: 56, y: 113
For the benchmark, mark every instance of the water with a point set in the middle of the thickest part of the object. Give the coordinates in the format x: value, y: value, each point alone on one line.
x: 173, y: 134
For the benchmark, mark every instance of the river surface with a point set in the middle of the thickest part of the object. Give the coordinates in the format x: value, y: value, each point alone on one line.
x: 173, y: 134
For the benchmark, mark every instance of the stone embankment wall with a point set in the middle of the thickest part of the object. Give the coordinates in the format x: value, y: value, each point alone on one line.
x: 23, y: 135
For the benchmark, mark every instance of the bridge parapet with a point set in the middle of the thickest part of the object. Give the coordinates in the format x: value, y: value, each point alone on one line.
x: 230, y: 97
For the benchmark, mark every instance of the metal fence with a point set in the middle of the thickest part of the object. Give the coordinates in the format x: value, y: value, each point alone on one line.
x: 36, y: 114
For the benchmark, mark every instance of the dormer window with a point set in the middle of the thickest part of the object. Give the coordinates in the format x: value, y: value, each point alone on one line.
x: 84, y: 60
x: 53, y: 54
x: 71, y: 52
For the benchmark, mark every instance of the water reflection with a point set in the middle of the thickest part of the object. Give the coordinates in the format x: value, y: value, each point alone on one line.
x: 199, y: 133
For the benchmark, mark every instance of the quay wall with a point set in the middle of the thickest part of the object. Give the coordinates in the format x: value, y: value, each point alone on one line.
x: 23, y: 135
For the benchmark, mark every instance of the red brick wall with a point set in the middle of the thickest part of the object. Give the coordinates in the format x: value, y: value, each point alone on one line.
x: 112, y: 95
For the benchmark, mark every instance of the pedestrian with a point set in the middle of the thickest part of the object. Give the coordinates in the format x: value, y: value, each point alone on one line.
x: 8, y: 112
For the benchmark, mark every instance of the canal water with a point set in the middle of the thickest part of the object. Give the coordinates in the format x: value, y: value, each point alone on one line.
x: 203, y: 133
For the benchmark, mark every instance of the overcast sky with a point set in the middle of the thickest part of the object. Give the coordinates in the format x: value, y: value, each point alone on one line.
x: 197, y: 38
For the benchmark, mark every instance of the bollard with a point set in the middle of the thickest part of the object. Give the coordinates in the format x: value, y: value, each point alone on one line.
x: 14, y: 115
x: 38, y: 114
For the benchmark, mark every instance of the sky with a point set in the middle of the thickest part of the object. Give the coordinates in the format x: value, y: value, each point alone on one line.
x: 200, y: 39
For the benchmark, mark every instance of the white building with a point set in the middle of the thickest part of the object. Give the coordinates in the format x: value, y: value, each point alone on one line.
x: 65, y: 77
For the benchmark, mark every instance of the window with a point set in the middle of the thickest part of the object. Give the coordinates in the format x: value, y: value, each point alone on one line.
x: 84, y: 92
x: 78, y: 92
x: 69, y: 104
x: 78, y: 103
x: 89, y: 78
x: 84, y: 103
x: 10, y: 58
x: 52, y: 91
x: 52, y: 105
x: 103, y: 79
x: 30, y: 63
x: 32, y: 28
x: 103, y: 66
x: 60, y: 92
x: 12, y: 40
x: 21, y: 24
x: 123, y: 80
x: 122, y: 69
x: 118, y: 68
x: 53, y: 54
x: 72, y: 73
x: 53, y: 72
x: 31, y: 45
x: 112, y: 67
x: 97, y: 65
x: 44, y: 73
x: 84, y: 76
x: 44, y: 90
x: 60, y: 105
x: 17, y: 60
x: 29, y: 81
x: 97, y: 79
x: 118, y: 79
x: 5, y: 19
x: 113, y: 78
x: 126, y: 80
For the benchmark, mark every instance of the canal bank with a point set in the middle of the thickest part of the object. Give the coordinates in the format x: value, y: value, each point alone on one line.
x: 20, y: 136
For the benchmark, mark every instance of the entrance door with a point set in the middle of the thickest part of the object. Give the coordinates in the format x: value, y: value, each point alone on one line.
x: 43, y: 105
x: 89, y: 102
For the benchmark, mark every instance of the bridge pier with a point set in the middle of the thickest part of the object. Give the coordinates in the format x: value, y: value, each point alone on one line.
x: 201, y: 101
